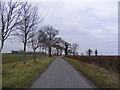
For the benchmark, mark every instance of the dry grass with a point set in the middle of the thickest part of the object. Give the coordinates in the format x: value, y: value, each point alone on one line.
x: 18, y: 75
x: 102, y: 77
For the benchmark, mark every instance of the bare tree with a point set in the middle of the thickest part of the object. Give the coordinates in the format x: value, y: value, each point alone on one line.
x: 9, y: 13
x: 59, y: 49
x: 89, y: 52
x: 42, y: 39
x: 61, y: 46
x: 70, y: 52
x: 57, y: 43
x: 34, y: 42
x: 51, y: 34
x: 30, y: 19
x: 96, y: 52
x: 66, y: 46
x: 74, y: 48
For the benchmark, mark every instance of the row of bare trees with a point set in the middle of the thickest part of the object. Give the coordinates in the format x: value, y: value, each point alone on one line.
x: 21, y: 20
x: 89, y: 52
x: 46, y: 38
x: 9, y: 19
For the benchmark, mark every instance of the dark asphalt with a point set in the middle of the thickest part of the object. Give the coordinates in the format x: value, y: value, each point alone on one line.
x: 60, y: 74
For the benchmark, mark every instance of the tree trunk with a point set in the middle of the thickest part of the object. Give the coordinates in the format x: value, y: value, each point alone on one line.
x: 66, y: 51
x: 34, y: 58
x: 73, y: 52
x: 61, y: 52
x: 24, y: 53
x: 45, y: 50
x: 39, y: 52
x: 57, y: 51
x: 50, y: 51
x: 2, y: 44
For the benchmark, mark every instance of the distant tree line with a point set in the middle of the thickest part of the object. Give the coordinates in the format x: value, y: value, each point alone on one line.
x: 28, y: 52
x: 89, y: 52
x: 21, y: 20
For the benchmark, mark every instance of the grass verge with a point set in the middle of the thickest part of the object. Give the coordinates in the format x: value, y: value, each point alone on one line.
x: 18, y: 75
x: 101, y: 77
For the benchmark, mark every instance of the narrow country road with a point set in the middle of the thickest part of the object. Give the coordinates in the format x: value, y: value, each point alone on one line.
x: 60, y: 74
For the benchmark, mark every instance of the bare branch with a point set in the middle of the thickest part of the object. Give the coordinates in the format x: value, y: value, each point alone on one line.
x: 27, y: 27
x: 10, y: 13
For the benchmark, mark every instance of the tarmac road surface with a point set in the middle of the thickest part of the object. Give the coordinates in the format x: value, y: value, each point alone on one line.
x: 61, y: 74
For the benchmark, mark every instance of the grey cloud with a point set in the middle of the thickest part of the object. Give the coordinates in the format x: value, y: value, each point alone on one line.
x: 91, y: 25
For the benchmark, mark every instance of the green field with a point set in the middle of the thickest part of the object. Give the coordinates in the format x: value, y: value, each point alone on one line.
x: 17, y: 75
x: 8, y: 58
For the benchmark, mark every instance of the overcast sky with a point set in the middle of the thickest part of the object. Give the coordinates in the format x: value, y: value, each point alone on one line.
x: 92, y: 25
